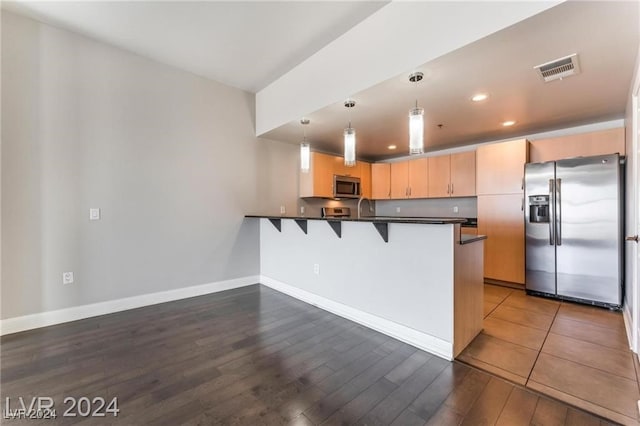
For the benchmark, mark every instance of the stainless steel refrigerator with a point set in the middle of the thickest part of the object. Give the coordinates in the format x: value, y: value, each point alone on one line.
x: 573, y: 227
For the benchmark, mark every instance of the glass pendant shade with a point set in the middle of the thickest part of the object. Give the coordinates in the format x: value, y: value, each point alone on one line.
x: 305, y: 153
x: 349, y: 147
x: 416, y: 131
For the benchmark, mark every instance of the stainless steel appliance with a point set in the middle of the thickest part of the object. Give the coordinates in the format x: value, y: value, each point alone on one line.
x: 346, y: 187
x: 573, y: 227
x: 336, y: 212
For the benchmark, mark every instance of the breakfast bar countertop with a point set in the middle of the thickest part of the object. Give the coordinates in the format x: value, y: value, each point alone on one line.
x: 388, y: 219
x: 463, y: 238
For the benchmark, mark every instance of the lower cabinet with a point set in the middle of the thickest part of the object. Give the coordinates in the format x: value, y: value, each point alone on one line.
x: 501, y: 219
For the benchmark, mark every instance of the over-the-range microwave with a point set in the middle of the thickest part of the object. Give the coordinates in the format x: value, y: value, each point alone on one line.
x: 346, y: 187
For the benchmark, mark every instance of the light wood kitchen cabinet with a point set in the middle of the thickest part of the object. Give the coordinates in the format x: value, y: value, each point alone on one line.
x: 500, y: 167
x: 588, y: 144
x: 452, y: 175
x: 500, y: 218
x: 365, y: 178
x: 409, y: 179
x: 341, y: 170
x: 439, y: 176
x: 318, y: 182
x: 463, y: 174
x: 468, y: 231
x: 380, y: 181
x: 399, y: 180
x: 418, y: 178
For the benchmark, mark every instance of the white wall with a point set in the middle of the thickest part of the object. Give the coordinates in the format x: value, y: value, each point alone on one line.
x: 407, y: 281
x: 395, y: 39
x: 171, y: 159
x: 632, y: 208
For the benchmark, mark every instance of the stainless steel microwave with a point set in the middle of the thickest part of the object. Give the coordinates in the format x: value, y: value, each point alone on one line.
x: 346, y: 187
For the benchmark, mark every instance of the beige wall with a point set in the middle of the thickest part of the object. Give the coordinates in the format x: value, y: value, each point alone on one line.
x: 170, y: 158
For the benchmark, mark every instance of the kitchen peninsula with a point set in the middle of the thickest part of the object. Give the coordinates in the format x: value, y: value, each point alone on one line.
x: 416, y: 279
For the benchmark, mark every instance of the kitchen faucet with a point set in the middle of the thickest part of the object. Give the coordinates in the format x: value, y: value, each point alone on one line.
x: 360, y: 202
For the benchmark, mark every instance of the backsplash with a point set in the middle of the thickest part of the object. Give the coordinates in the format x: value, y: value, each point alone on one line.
x: 313, y: 206
x: 431, y: 207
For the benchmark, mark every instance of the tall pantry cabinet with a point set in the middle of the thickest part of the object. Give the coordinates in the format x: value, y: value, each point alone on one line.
x: 500, y: 190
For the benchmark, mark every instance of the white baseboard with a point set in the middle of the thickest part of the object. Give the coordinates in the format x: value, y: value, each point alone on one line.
x: 44, y: 319
x: 628, y: 324
x: 403, y: 333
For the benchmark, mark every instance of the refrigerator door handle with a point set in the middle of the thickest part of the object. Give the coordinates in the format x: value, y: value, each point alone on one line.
x: 559, y: 211
x: 551, y: 210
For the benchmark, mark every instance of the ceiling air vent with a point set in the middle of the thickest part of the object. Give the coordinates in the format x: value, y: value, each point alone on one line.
x: 559, y: 68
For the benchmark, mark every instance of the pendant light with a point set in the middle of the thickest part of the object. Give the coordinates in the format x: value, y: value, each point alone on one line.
x: 305, y: 148
x: 349, y: 138
x: 416, y: 122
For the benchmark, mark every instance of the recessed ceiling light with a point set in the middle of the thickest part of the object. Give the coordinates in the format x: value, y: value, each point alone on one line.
x: 391, y: 147
x: 508, y: 123
x: 479, y: 97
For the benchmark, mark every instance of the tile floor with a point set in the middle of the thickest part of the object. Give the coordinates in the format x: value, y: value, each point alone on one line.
x: 575, y: 353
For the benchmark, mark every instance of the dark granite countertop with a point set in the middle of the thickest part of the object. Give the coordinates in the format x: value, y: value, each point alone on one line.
x: 467, y: 239
x: 387, y: 219
x: 464, y: 238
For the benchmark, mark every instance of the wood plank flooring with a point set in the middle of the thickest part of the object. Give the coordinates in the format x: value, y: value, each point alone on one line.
x: 253, y: 356
x: 578, y: 354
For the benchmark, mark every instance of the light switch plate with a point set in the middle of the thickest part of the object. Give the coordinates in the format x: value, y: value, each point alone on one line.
x: 67, y: 277
x: 94, y: 214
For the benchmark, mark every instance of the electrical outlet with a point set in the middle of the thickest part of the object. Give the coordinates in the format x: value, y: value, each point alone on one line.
x: 316, y: 268
x: 302, y: 210
x: 455, y: 209
x: 94, y: 214
x: 282, y: 210
x: 67, y: 277
x: 397, y: 209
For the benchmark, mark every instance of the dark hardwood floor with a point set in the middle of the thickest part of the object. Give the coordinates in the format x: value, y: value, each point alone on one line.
x: 253, y: 356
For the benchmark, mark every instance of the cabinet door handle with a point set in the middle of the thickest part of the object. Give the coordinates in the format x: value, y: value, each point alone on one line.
x: 522, y: 205
x: 522, y: 184
x: 448, y: 186
x: 409, y: 191
x: 452, y: 188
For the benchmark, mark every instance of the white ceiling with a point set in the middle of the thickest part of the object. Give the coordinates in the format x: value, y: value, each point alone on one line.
x: 250, y: 44
x: 604, y: 34
x: 243, y: 44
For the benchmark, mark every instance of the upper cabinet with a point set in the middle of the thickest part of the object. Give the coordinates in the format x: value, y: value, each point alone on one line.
x: 364, y: 170
x: 409, y: 179
x: 418, y: 178
x: 400, y: 180
x: 439, y: 176
x: 463, y: 174
x: 600, y: 142
x: 341, y: 170
x: 318, y: 182
x: 500, y: 167
x: 433, y: 177
x: 381, y: 181
x: 453, y: 175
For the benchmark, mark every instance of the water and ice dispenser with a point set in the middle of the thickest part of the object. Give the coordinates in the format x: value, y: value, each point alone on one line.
x: 539, y: 208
